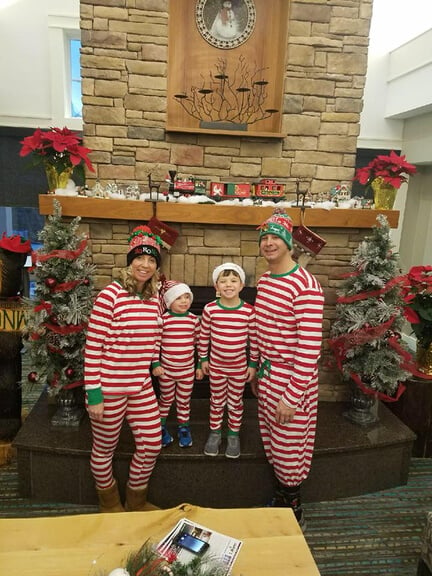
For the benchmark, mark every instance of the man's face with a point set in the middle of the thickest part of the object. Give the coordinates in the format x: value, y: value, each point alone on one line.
x: 273, y: 248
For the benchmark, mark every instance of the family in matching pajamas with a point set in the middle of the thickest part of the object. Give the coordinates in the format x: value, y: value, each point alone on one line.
x: 274, y: 345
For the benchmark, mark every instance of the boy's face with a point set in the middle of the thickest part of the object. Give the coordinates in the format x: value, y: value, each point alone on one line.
x: 229, y: 287
x: 181, y: 304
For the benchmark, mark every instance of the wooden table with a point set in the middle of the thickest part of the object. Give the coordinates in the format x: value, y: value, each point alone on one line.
x: 84, y: 545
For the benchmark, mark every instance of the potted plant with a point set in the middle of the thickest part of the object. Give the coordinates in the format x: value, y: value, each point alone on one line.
x: 417, y: 297
x: 385, y: 174
x: 60, y: 152
x: 365, y: 336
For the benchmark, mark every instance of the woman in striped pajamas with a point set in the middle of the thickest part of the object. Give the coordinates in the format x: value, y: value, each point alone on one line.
x: 123, y: 338
x: 289, y: 311
x: 227, y: 329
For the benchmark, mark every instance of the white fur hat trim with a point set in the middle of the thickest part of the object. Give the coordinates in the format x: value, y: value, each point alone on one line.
x: 229, y: 266
x: 175, y: 292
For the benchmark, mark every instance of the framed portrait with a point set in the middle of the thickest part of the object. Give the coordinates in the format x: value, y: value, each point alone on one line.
x: 225, y: 24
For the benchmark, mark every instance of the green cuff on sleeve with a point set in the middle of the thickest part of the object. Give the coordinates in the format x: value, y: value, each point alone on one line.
x: 94, y: 396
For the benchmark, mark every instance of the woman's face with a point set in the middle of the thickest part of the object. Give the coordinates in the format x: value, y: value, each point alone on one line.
x: 143, y: 267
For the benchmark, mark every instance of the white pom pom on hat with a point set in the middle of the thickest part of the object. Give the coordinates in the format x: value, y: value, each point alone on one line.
x: 175, y: 291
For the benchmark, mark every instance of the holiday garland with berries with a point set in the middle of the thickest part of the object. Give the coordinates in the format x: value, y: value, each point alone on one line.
x: 366, y: 335
x: 59, y: 312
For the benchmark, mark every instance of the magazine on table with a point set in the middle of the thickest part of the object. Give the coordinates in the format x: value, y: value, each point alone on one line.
x: 187, y: 540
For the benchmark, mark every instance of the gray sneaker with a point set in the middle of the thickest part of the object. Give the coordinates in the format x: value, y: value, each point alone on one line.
x: 233, y: 447
x: 211, y: 447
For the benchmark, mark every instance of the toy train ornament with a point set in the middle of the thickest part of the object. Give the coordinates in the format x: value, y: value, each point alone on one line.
x: 264, y: 189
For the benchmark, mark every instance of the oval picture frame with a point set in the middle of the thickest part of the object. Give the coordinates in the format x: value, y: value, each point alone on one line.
x: 225, y: 27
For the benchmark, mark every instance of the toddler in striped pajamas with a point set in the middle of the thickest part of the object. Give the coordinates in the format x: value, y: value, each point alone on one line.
x: 289, y: 311
x: 123, y: 338
x: 176, y: 367
x: 227, y: 330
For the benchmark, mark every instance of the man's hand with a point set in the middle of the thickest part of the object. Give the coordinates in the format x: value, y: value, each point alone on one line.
x: 284, y: 414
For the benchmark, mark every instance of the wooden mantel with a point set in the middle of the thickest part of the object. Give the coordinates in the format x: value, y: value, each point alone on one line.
x: 208, y: 213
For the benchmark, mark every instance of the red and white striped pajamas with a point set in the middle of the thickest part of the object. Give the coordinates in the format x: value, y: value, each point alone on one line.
x: 227, y: 332
x: 123, y: 337
x: 289, y: 311
x: 179, y: 338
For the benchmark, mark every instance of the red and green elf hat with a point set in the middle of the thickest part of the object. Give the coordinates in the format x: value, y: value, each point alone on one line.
x: 279, y: 224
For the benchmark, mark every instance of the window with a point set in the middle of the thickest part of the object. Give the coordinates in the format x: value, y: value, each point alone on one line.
x: 75, y: 78
x: 64, y: 51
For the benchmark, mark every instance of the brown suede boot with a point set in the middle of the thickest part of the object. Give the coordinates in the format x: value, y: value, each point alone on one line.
x: 109, y: 499
x: 136, y: 500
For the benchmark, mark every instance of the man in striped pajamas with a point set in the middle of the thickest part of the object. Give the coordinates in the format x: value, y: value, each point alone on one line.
x: 123, y: 337
x: 227, y: 328
x: 289, y: 310
x: 176, y: 367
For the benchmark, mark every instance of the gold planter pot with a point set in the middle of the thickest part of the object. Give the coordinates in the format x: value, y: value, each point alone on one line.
x: 384, y: 194
x: 57, y: 179
x: 424, y: 359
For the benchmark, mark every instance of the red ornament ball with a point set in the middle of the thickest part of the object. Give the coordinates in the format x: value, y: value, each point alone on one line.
x: 32, y: 377
x: 86, y: 282
x: 50, y: 282
x: 69, y: 372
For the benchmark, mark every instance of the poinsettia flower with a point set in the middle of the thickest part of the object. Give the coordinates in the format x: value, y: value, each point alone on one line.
x: 417, y: 297
x: 411, y: 315
x: 58, y: 147
x: 393, y: 169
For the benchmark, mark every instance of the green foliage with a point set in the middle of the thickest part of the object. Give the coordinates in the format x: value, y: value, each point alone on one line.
x: 58, y: 315
x: 375, y: 360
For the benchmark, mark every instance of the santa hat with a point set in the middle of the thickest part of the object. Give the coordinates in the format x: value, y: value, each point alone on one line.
x: 279, y: 224
x: 229, y: 266
x: 176, y: 290
x: 143, y: 241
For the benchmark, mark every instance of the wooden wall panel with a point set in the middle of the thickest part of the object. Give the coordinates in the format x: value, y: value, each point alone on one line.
x: 192, y: 59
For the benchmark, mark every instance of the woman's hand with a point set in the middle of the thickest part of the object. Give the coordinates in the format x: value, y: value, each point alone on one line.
x: 96, y: 411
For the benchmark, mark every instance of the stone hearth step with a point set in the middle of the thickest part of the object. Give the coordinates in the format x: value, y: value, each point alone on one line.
x: 53, y: 462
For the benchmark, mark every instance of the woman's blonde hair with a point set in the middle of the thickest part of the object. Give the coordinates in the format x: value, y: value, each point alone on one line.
x: 130, y: 284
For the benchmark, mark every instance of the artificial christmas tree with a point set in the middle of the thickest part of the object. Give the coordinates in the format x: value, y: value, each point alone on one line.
x: 58, y: 315
x: 365, y: 336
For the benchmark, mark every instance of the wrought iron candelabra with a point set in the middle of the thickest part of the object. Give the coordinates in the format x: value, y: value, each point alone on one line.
x: 238, y: 99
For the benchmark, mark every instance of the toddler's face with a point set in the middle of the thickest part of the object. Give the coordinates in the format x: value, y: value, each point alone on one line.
x: 181, y: 304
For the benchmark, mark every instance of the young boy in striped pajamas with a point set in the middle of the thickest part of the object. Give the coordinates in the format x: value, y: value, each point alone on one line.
x: 176, y: 367
x: 289, y: 311
x: 227, y: 329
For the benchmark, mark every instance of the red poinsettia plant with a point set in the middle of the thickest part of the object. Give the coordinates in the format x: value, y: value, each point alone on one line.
x: 393, y: 169
x: 58, y: 147
x: 417, y: 296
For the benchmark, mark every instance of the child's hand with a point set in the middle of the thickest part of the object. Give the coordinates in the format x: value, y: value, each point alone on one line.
x: 199, y: 374
x: 251, y: 372
x: 205, y: 367
x: 158, y: 371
